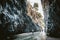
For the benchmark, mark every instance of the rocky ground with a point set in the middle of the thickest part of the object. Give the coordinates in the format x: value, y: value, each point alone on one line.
x: 50, y: 38
x: 31, y: 36
x: 34, y: 36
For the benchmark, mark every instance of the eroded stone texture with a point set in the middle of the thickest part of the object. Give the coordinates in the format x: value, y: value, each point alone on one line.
x: 52, y: 17
x: 13, y: 19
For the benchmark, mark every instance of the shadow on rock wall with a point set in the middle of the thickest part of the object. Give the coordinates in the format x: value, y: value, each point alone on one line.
x: 13, y: 18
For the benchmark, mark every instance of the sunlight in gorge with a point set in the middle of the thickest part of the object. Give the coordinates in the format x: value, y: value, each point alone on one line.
x: 40, y: 9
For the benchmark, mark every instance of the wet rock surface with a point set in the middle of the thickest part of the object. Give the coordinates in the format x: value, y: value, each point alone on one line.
x: 53, y: 20
x: 13, y: 18
x: 29, y: 36
x: 52, y: 17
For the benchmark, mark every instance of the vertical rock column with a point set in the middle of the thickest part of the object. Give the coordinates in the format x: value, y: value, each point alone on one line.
x: 53, y: 20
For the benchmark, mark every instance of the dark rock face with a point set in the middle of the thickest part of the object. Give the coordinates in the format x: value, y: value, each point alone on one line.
x: 54, y: 18
x: 13, y: 18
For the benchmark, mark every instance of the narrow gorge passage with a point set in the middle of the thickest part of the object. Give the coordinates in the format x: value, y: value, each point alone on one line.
x: 29, y: 20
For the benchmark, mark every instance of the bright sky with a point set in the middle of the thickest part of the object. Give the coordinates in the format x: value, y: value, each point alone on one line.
x: 40, y: 9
